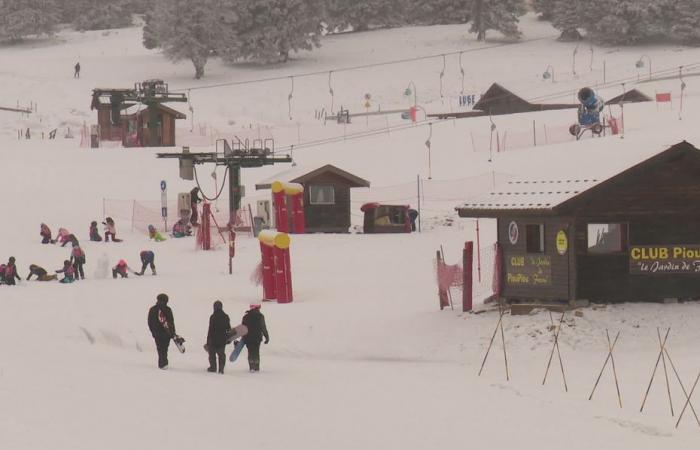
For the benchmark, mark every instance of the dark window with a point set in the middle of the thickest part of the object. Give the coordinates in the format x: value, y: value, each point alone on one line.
x: 321, y: 195
x: 534, y: 238
x: 606, y: 238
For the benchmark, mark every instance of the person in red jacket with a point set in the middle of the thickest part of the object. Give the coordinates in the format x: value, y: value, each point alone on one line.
x: 122, y: 269
x: 68, y: 272
x: 77, y: 258
x: 46, y: 234
x: 11, y: 272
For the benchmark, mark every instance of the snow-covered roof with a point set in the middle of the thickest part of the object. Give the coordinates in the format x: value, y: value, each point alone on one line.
x: 530, y: 194
x: 300, y: 174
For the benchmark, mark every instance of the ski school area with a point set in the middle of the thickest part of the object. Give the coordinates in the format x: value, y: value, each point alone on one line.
x: 444, y: 251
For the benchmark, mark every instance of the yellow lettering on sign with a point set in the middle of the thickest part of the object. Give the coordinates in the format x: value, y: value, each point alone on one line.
x: 518, y: 261
x: 636, y: 253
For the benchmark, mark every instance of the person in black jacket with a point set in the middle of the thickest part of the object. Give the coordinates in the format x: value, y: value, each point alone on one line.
x: 219, y: 331
x: 162, y: 326
x: 194, y: 200
x: 255, y: 321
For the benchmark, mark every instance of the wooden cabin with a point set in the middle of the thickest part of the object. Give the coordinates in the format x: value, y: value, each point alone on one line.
x: 326, y: 196
x: 634, y: 236
x: 136, y: 122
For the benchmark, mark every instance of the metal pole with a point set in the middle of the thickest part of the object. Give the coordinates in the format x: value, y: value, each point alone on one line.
x: 234, y: 192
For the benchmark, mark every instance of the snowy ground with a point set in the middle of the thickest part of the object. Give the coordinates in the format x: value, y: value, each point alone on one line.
x: 363, y: 357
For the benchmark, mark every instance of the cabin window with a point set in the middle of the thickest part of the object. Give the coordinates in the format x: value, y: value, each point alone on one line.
x: 390, y: 215
x: 606, y: 238
x: 321, y: 195
x: 534, y: 238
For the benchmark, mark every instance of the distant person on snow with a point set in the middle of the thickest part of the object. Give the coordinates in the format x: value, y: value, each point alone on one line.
x: 110, y: 230
x: 94, y: 232
x: 255, y: 321
x: 77, y: 258
x: 122, y: 269
x: 40, y: 273
x: 154, y: 234
x: 76, y: 74
x: 412, y: 216
x: 147, y: 259
x: 10, y: 272
x: 217, y: 336
x: 162, y: 326
x: 68, y: 272
x: 182, y: 228
x: 72, y: 239
x: 63, y: 236
x: 194, y: 200
x: 46, y: 234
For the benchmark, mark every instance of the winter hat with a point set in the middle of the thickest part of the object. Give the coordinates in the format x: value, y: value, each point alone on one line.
x: 254, y: 306
x: 218, y: 306
x: 121, y: 263
x: 162, y: 298
x: 12, y: 260
x: 151, y: 228
x: 93, y: 223
x: 66, y: 262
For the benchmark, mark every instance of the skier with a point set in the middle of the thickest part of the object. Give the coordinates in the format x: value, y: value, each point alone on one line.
x: 40, y: 273
x: 110, y: 230
x: 181, y: 229
x: 63, y: 236
x: 147, y: 259
x: 77, y: 258
x: 217, y: 336
x: 162, y: 326
x: 155, y: 234
x: 194, y: 199
x: 10, y: 273
x: 68, y: 272
x: 255, y: 321
x: 76, y: 74
x: 122, y: 268
x: 94, y: 233
x: 72, y: 239
x: 46, y: 234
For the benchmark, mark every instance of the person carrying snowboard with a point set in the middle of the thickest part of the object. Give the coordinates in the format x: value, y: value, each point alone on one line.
x: 94, y: 232
x: 77, y: 258
x: 40, y: 273
x: 154, y: 234
x: 110, y: 230
x: 162, y: 326
x: 46, y: 234
x: 122, y: 269
x: 68, y: 272
x: 147, y: 259
x: 10, y: 273
x: 255, y: 321
x: 217, y: 336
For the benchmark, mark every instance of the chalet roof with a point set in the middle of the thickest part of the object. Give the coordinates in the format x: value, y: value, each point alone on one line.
x: 303, y: 174
x: 498, y: 100
x: 633, y: 96
x: 543, y: 196
x: 140, y: 109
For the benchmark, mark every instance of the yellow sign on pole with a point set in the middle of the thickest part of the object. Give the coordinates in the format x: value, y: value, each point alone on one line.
x: 562, y: 242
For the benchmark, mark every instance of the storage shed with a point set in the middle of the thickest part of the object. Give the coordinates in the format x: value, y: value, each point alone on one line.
x: 634, y: 236
x: 326, y: 196
x: 136, y: 122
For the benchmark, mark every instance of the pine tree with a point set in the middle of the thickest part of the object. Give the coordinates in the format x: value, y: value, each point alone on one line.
x: 101, y: 14
x: 566, y: 17
x: 685, y: 21
x: 188, y: 30
x: 545, y: 8
x: 150, y: 34
x: 269, y: 30
x: 500, y: 15
x: 436, y: 12
x: 620, y: 22
x: 360, y: 15
x: 21, y: 18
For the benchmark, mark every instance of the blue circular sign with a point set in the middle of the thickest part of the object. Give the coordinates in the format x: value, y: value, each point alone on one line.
x: 162, y: 185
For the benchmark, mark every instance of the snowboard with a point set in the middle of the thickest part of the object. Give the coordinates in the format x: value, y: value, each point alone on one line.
x: 179, y: 343
x: 237, y: 332
x: 237, y: 349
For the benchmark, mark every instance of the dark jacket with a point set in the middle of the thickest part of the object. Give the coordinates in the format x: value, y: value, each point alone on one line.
x: 160, y: 321
x: 147, y: 256
x: 255, y: 321
x: 219, y: 329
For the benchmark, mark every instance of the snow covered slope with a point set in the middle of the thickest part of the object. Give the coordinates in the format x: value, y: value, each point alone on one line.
x: 363, y: 358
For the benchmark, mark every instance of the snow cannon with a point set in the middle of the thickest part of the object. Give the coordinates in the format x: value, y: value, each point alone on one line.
x: 588, y: 113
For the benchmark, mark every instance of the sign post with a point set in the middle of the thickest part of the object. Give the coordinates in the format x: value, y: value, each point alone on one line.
x: 164, y: 203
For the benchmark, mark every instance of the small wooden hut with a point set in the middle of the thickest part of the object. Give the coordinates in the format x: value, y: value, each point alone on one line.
x: 632, y: 236
x: 326, y: 196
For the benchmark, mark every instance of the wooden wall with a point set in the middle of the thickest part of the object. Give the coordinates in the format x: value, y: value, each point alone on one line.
x: 562, y: 269
x: 328, y: 218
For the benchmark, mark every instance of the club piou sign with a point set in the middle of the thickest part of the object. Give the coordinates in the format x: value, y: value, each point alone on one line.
x: 664, y: 259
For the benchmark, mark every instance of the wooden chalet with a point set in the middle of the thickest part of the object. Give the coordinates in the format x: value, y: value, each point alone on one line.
x: 136, y: 121
x: 632, y: 236
x: 326, y: 196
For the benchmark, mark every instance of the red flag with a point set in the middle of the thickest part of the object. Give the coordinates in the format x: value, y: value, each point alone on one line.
x: 663, y: 97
